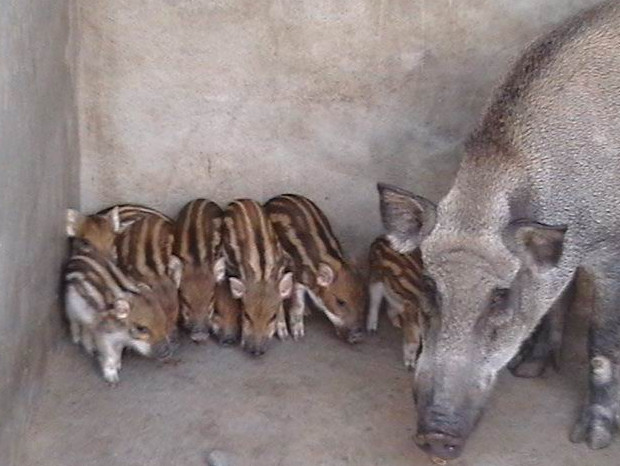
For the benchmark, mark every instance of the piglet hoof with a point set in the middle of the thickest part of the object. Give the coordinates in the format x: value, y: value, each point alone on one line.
x: 89, y: 347
x: 410, y: 356
x: 297, y: 331
x: 595, y: 426
x: 111, y: 376
x: 282, y: 331
x: 90, y: 350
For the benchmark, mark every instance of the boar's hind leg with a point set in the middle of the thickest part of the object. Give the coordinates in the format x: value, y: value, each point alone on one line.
x: 600, y: 417
x: 543, y: 347
x: 533, y: 357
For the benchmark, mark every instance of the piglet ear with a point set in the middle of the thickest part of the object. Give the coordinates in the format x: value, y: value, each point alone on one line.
x: 237, y: 288
x: 121, y: 309
x: 114, y: 218
x: 219, y: 269
x: 536, y: 243
x: 407, y: 218
x: 325, y: 275
x: 286, y: 285
x: 73, y: 222
x: 175, y: 270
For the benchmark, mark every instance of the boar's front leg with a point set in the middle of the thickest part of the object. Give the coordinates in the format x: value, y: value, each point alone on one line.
x: 544, y: 346
x: 600, y: 417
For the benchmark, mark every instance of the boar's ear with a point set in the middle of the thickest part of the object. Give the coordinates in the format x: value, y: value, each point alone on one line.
x: 74, y: 220
x: 237, y: 288
x: 219, y: 269
x: 286, y: 285
x: 114, y: 218
x: 407, y: 218
x: 538, y: 244
x: 121, y: 309
x: 325, y: 275
x: 175, y: 270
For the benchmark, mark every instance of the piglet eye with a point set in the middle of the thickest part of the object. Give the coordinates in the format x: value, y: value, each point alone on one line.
x: 141, y: 329
x: 341, y: 302
x: 429, y: 284
x: 246, y: 316
x: 273, y: 318
x: 500, y: 299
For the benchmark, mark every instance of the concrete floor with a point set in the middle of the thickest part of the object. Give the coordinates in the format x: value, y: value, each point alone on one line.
x: 318, y: 402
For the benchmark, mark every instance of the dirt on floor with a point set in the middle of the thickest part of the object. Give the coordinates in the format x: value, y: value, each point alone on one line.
x: 315, y: 402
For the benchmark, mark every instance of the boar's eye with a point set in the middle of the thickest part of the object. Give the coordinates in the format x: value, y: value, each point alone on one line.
x: 273, y: 318
x: 247, y: 316
x: 341, y: 302
x: 500, y: 298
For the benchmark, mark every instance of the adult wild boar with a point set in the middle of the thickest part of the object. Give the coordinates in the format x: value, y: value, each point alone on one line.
x: 536, y: 199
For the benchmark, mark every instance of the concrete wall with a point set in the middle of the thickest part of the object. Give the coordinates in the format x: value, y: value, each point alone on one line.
x: 231, y: 98
x: 38, y: 179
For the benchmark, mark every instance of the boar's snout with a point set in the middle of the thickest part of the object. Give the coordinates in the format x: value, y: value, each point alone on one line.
x: 440, y: 445
x: 440, y: 434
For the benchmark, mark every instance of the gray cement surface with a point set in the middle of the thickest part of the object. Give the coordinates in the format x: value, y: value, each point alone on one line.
x: 316, y: 402
x: 39, y: 163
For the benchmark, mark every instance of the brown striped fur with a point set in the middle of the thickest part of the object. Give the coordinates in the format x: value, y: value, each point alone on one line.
x: 320, y: 267
x: 129, y: 213
x: 145, y: 254
x: 108, y: 311
x: 256, y: 265
x: 198, y: 244
x: 99, y: 229
x: 398, y: 279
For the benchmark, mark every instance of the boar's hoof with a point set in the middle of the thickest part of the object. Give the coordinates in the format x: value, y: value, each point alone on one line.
x: 595, y: 426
